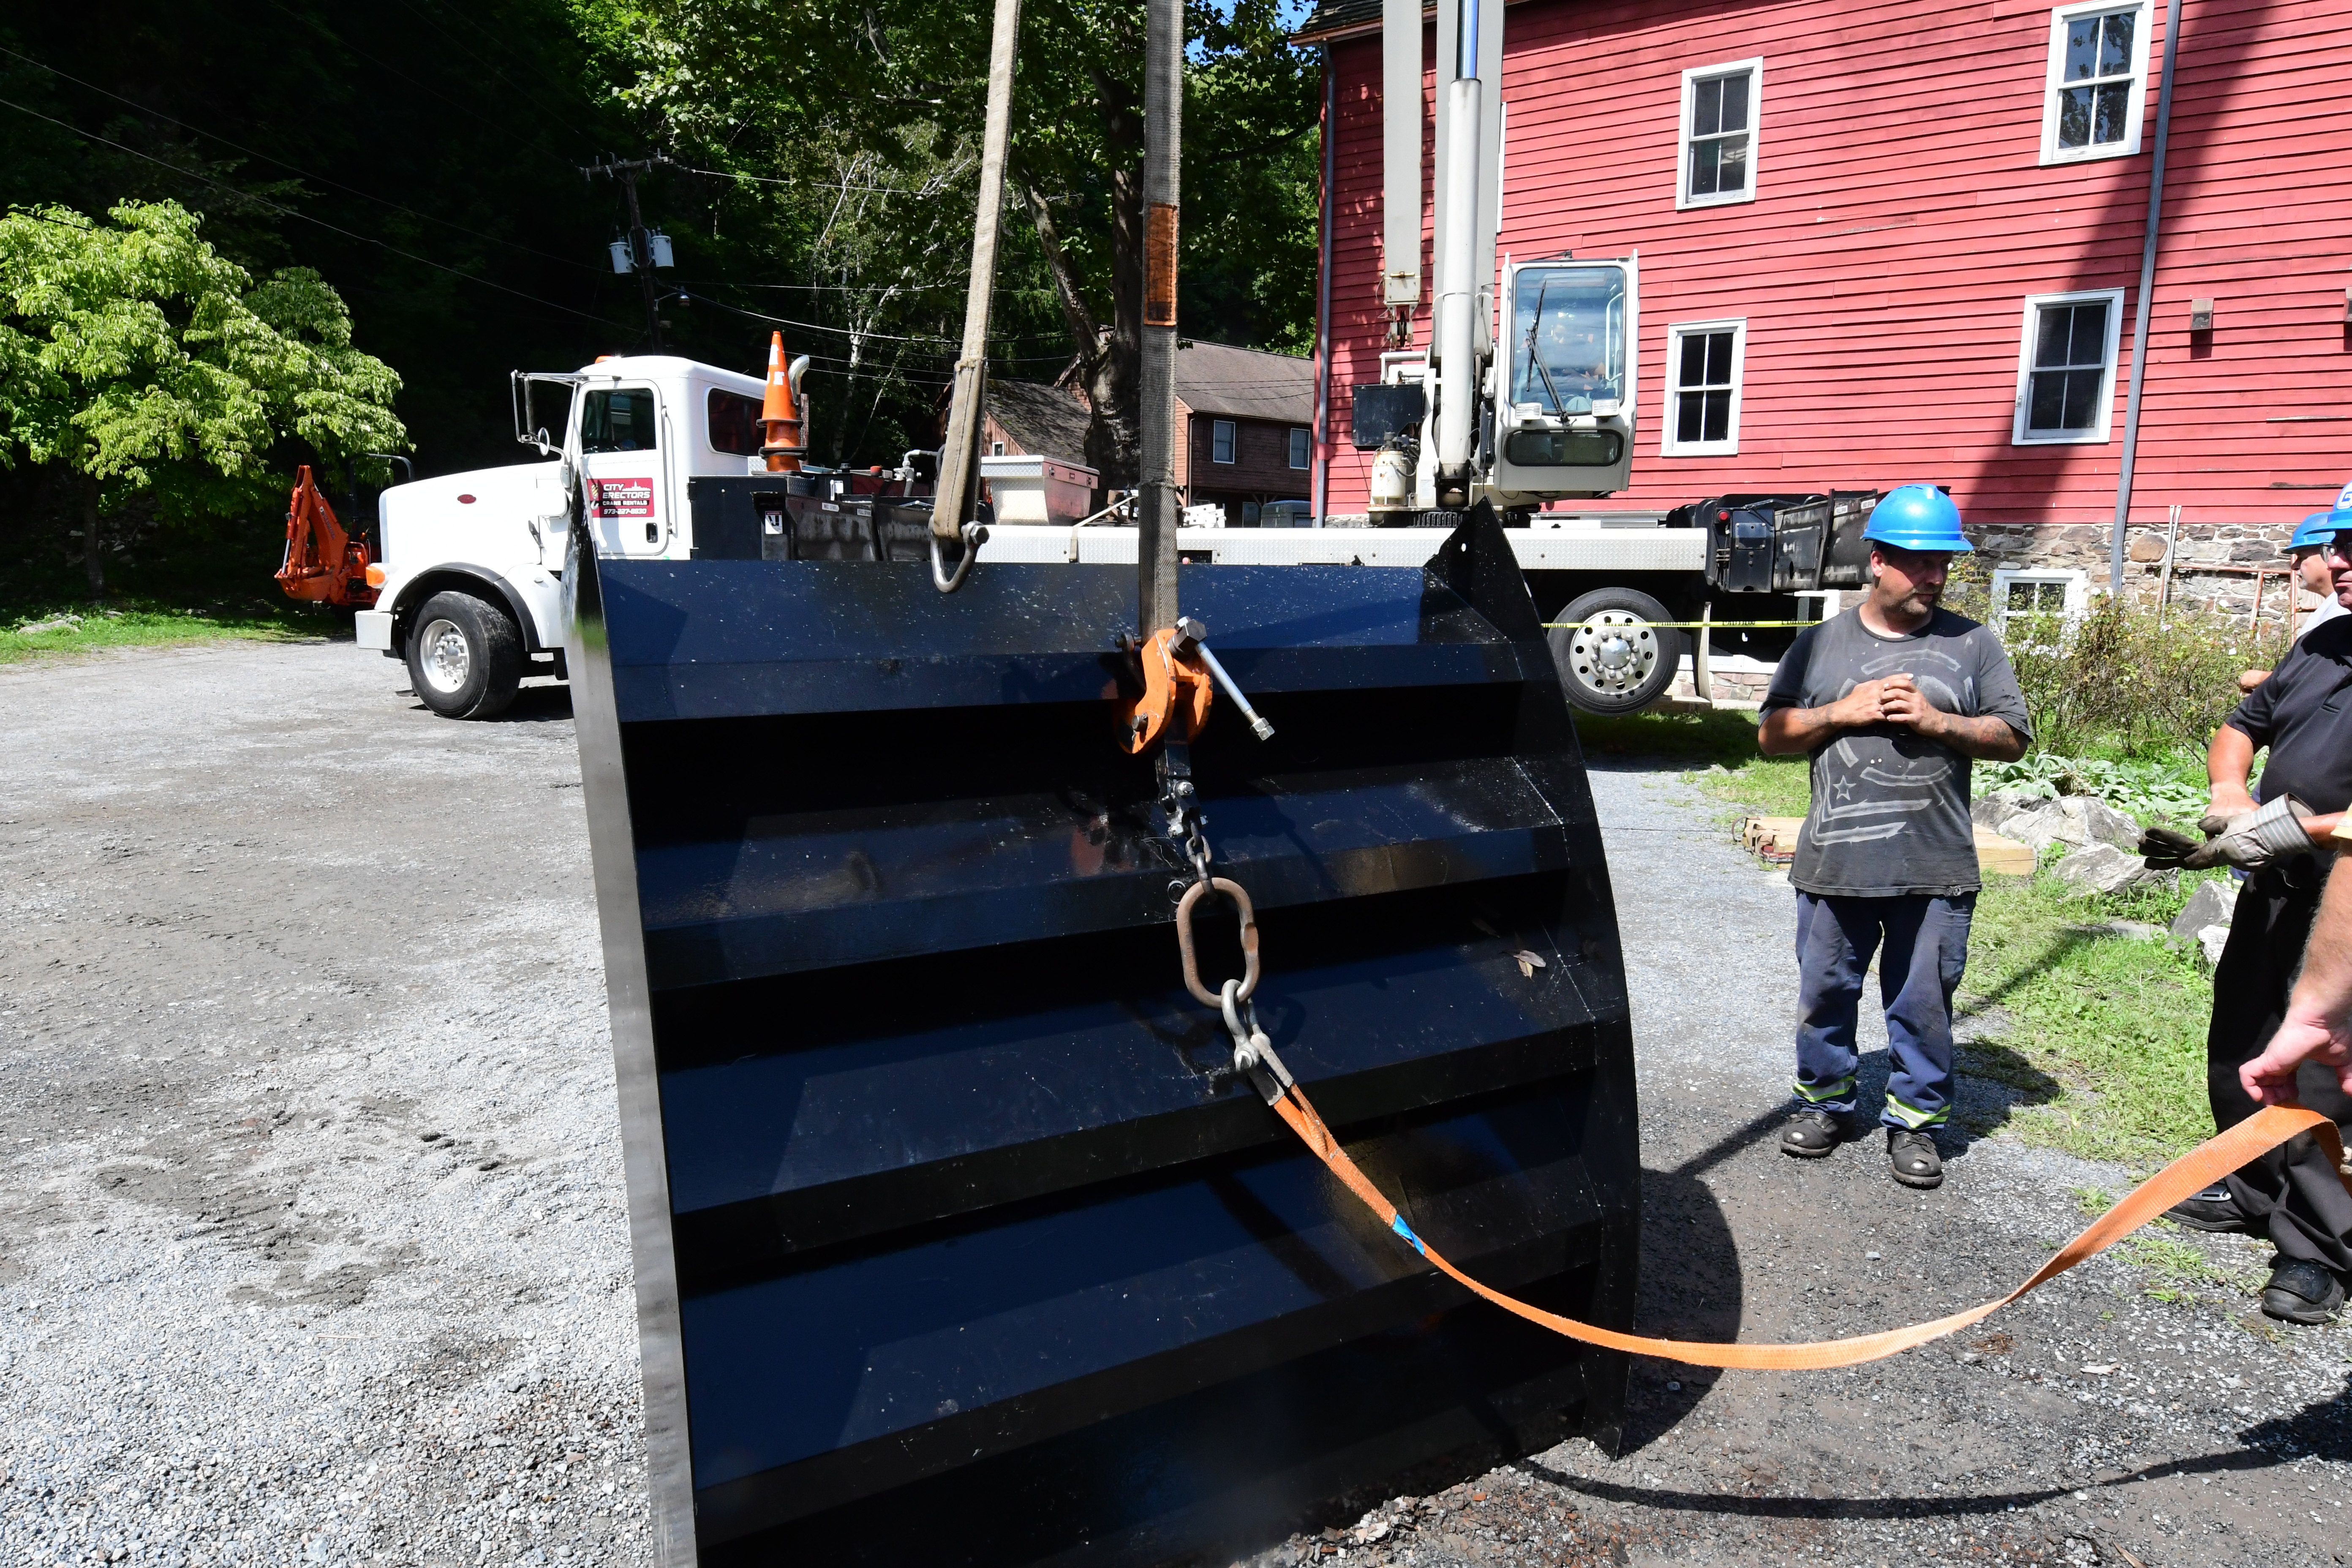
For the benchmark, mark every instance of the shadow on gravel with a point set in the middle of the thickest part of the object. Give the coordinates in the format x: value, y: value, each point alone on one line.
x: 1692, y: 1288
x: 532, y: 705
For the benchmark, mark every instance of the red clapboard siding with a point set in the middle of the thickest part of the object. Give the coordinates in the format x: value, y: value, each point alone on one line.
x: 1902, y: 217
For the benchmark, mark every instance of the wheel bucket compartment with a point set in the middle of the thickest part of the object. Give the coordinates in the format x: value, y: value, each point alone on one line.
x: 955, y: 1241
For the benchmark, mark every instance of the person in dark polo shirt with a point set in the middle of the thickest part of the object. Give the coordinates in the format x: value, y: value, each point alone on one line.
x: 1893, y: 700
x: 2303, y: 714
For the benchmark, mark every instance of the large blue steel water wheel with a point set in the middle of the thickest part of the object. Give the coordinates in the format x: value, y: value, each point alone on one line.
x: 954, y: 1242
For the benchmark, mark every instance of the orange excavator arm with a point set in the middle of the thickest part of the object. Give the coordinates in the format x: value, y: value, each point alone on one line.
x: 323, y: 564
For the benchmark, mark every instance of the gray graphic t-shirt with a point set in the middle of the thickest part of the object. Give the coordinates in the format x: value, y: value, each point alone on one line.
x: 1890, y: 813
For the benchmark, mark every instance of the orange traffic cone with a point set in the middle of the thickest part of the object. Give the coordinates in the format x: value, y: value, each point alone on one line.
x: 781, y: 414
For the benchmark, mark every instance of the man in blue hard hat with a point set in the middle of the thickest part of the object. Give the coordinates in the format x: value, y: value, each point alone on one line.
x: 1894, y: 699
x: 2303, y: 713
x: 2312, y: 574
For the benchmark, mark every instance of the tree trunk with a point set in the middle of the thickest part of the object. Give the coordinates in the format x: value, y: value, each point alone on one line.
x: 1109, y: 360
x: 92, y: 561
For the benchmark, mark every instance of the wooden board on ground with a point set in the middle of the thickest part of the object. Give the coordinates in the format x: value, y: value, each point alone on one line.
x: 1774, y: 838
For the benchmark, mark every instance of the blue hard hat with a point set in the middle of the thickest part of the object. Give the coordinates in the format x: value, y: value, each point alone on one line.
x: 1916, y: 517
x: 2322, y: 526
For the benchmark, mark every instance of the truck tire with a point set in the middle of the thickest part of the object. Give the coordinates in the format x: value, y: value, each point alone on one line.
x: 465, y: 655
x: 1614, y: 655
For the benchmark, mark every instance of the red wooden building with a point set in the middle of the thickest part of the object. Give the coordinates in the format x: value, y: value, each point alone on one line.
x: 1903, y: 241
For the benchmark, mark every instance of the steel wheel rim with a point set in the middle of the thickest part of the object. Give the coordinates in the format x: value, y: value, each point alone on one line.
x: 1612, y: 653
x: 445, y: 656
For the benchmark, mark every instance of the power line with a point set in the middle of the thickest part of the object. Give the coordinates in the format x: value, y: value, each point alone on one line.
x: 295, y: 213
x: 305, y: 173
x: 819, y: 184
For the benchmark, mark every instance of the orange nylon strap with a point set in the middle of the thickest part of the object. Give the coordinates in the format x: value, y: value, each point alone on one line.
x: 2192, y: 1173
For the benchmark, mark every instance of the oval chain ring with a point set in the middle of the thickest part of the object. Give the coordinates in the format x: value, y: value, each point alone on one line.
x: 1233, y: 890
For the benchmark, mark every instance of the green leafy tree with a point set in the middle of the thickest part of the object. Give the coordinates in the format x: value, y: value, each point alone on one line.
x: 136, y: 357
x: 759, y: 92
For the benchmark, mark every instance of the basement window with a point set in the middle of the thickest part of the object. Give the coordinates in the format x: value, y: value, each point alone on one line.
x: 1721, y: 106
x: 1220, y: 440
x: 1704, y: 365
x: 2023, y: 599
x: 2096, y: 91
x: 2065, y: 367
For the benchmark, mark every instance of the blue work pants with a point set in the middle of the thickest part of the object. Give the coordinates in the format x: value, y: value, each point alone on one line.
x: 1926, y: 940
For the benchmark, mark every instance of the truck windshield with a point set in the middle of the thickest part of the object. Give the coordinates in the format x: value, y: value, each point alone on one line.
x: 1567, y: 337
x: 617, y: 421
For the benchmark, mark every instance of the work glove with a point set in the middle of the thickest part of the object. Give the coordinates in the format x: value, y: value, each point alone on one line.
x: 2167, y: 849
x: 2215, y: 824
x: 2253, y: 840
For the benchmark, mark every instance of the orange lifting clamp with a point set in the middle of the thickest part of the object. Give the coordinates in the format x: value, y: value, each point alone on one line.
x: 1176, y: 684
x: 1179, y: 672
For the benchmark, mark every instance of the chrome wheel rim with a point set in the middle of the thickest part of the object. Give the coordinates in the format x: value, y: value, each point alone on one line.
x: 445, y: 657
x: 1612, y: 653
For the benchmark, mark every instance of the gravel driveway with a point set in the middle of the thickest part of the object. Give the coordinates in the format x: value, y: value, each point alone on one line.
x: 312, y: 1239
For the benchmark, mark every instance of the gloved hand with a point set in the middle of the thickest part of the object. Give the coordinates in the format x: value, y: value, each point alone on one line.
x: 2257, y: 838
x: 2167, y: 849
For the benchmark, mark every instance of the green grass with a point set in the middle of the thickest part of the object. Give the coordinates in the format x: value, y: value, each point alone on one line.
x: 1719, y: 751
x: 141, y: 623
x: 2105, y: 1040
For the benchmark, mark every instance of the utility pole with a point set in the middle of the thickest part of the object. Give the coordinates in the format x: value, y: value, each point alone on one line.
x: 640, y: 247
x: 1163, y: 137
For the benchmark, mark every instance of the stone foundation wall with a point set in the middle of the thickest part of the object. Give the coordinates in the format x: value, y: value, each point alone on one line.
x: 2214, y: 569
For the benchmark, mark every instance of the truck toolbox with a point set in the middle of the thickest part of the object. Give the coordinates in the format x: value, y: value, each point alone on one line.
x: 957, y: 1239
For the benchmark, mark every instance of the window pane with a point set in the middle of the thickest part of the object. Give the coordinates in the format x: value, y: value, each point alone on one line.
x: 1298, y: 448
x: 1732, y: 164
x: 2045, y: 403
x: 1690, y: 416
x: 1718, y: 359
x: 2075, y: 117
x: 1693, y: 371
x: 617, y: 421
x: 2108, y: 117
x: 1567, y: 337
x: 1735, y: 102
x: 1719, y: 415
x: 2083, y: 398
x: 2116, y: 44
x: 2050, y: 335
x: 735, y: 426
x: 2089, y: 335
x: 1220, y: 441
x: 2082, y: 48
x: 1702, y: 169
x: 1706, y: 108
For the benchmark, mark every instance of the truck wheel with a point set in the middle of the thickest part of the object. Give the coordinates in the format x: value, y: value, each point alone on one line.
x: 465, y: 657
x: 1613, y: 654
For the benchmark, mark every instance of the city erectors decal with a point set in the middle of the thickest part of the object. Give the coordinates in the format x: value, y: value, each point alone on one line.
x: 622, y: 497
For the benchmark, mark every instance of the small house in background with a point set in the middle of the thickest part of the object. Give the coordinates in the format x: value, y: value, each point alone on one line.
x: 1903, y: 242
x: 1247, y: 418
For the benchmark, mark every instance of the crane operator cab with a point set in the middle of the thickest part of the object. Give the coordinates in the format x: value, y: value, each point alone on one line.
x: 1565, y: 428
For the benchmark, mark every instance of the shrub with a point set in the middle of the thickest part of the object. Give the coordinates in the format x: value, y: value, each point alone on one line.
x: 2112, y: 681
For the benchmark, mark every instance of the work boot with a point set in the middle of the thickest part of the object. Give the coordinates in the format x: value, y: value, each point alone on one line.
x: 2301, y: 1292
x: 1811, y: 1133
x: 1911, y: 1159
x: 2213, y: 1209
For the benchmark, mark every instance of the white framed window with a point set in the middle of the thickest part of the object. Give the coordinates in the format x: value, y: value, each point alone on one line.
x: 1706, y: 361
x: 2026, y: 595
x: 2095, y: 94
x: 1715, y: 154
x: 1301, y: 443
x: 2066, y: 367
x: 1220, y: 440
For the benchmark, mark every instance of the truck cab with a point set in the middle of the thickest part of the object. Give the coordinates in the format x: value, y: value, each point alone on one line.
x: 470, y: 569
